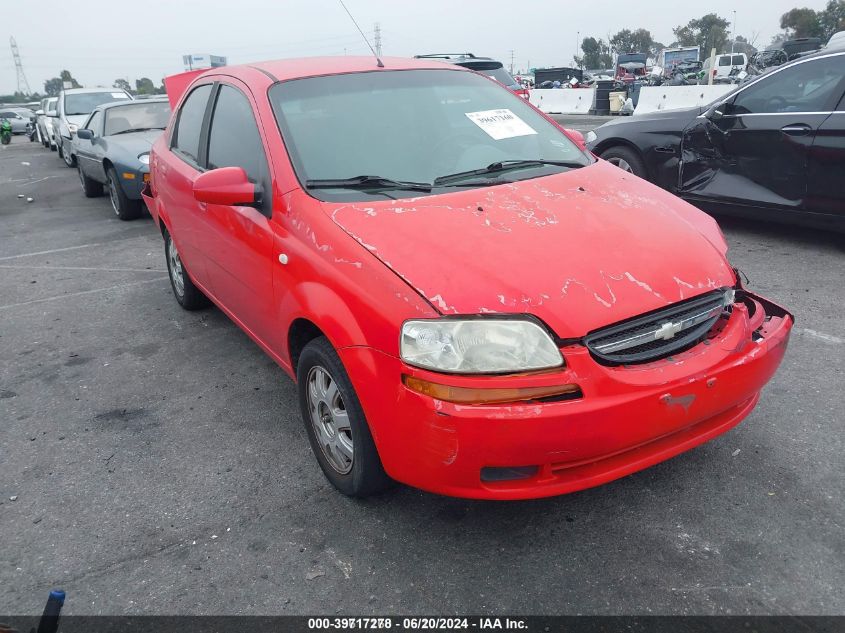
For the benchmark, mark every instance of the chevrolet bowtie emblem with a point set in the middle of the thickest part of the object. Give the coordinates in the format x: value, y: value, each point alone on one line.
x: 667, y: 331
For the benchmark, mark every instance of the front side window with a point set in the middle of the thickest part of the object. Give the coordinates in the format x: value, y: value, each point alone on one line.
x: 187, y: 136
x: 233, y: 140
x: 137, y: 117
x: 94, y: 122
x: 417, y: 126
x: 85, y: 102
x: 812, y: 86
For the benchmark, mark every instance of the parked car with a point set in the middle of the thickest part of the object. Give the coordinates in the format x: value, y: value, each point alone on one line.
x: 43, y: 121
x: 722, y: 65
x: 20, y: 122
x: 484, y: 65
x: 471, y: 304
x: 73, y: 108
x: 112, y: 149
x: 772, y: 149
x: 836, y: 41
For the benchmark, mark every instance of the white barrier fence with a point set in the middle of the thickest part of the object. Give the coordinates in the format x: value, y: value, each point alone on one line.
x: 659, y: 98
x: 562, y: 100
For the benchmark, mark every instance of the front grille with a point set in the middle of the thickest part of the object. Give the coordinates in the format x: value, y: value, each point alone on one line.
x: 662, y: 333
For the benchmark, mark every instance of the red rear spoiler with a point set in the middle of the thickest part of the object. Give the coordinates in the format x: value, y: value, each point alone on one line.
x: 175, y: 85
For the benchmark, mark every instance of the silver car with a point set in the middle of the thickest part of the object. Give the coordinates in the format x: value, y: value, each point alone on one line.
x: 44, y: 123
x: 73, y: 108
x: 20, y: 122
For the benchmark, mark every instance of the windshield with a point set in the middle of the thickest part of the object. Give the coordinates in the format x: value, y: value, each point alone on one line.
x: 412, y: 126
x: 85, y: 102
x: 137, y: 116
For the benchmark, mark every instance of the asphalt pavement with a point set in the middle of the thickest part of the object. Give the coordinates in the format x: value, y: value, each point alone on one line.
x: 152, y: 460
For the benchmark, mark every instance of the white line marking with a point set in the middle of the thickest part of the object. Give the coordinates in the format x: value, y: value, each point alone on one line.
x: 105, y: 270
x: 84, y: 292
x: 827, y: 338
x: 69, y: 248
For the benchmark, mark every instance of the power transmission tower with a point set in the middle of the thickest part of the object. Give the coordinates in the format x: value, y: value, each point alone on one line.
x: 377, y: 38
x: 23, y: 84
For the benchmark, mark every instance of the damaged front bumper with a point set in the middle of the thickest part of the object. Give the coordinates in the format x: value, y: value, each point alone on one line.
x: 624, y: 419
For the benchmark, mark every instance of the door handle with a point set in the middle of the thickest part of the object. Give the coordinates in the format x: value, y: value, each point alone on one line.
x: 800, y: 129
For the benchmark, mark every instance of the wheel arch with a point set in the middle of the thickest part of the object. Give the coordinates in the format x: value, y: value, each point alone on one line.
x: 626, y: 143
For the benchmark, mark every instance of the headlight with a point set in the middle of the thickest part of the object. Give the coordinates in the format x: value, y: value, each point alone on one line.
x: 72, y: 127
x: 590, y: 136
x: 478, y: 346
x: 144, y: 158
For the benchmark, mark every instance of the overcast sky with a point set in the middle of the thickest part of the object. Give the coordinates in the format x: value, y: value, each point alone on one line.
x: 99, y: 40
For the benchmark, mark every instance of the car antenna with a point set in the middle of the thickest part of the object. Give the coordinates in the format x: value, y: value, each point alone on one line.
x: 379, y: 63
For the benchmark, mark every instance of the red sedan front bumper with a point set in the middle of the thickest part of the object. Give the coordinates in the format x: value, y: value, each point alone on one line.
x: 628, y: 418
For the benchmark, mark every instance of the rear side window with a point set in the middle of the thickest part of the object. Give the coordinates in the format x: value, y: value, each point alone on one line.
x: 738, y: 60
x: 233, y: 140
x: 186, y: 139
x: 725, y: 61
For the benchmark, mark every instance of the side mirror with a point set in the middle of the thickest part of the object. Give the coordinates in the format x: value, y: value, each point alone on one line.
x: 228, y: 186
x: 576, y: 137
x: 39, y: 113
x: 85, y: 134
x: 713, y: 113
x: 52, y: 113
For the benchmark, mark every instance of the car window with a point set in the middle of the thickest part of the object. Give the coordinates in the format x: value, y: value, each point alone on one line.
x: 94, y: 121
x: 137, y: 116
x: 85, y: 102
x: 233, y: 140
x: 186, y: 138
x: 725, y: 60
x: 808, y: 87
x: 738, y: 60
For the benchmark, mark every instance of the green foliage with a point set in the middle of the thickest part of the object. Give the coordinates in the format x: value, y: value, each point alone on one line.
x: 707, y: 32
x: 627, y: 41
x: 806, y: 22
x: 122, y: 84
x: 596, y: 55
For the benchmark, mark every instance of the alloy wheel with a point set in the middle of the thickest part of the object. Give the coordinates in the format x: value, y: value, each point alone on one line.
x: 113, y: 197
x: 330, y: 420
x: 622, y: 164
x: 177, y: 273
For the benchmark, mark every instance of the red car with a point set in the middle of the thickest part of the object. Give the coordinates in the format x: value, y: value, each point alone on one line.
x: 468, y: 301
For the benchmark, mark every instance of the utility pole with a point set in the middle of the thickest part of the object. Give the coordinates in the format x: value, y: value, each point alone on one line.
x: 733, y: 35
x: 511, y: 61
x: 377, y: 38
x: 23, y: 84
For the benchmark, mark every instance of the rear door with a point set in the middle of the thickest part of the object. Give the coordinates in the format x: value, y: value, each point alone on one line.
x: 826, y: 168
x: 757, y: 151
x: 239, y: 240
x: 181, y: 166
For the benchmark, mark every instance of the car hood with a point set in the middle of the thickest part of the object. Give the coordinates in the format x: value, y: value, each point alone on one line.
x: 137, y: 142
x: 580, y: 250
x: 77, y: 119
x: 682, y: 116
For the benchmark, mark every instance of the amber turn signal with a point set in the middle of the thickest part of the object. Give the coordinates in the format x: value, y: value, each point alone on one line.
x: 495, y: 395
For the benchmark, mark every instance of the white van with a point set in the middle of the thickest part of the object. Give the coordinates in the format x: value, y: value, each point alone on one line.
x: 722, y: 65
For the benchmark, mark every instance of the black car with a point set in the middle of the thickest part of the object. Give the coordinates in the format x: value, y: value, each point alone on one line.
x: 484, y: 65
x: 772, y: 149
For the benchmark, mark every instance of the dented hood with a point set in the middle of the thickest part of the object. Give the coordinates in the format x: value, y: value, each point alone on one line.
x: 580, y: 249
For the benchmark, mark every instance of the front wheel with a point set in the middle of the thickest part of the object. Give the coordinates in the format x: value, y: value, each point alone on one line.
x: 68, y: 157
x: 334, y: 420
x: 187, y: 294
x: 123, y: 207
x: 626, y: 159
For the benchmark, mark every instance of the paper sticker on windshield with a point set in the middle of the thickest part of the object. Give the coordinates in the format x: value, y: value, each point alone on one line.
x: 500, y: 124
x: 119, y: 95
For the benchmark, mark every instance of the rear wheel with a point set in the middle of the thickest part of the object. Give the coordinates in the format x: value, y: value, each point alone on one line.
x: 625, y: 159
x: 334, y: 420
x: 187, y: 294
x: 91, y: 188
x: 123, y: 207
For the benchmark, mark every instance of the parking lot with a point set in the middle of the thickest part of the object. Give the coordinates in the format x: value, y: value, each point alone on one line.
x: 154, y: 460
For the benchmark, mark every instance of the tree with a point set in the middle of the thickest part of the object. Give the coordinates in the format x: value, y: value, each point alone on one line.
x: 66, y: 76
x: 801, y: 23
x: 627, y: 41
x: 53, y: 86
x: 742, y: 45
x: 596, y: 54
x: 145, y: 86
x: 122, y: 84
x: 832, y: 19
x: 706, y: 32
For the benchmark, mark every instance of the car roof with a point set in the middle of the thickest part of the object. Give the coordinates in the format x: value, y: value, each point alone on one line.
x: 74, y: 91
x: 285, y: 69
x: 126, y: 102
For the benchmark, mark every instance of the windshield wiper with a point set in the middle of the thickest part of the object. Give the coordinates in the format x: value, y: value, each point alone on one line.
x: 504, y: 165
x: 366, y: 182
x: 137, y: 129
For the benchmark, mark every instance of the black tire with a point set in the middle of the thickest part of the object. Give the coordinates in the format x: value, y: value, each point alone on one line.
x: 187, y: 294
x: 365, y: 475
x: 627, y: 159
x: 91, y: 188
x: 123, y: 207
x: 53, y: 146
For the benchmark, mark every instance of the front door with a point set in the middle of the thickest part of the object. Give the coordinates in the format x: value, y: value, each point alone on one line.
x: 755, y: 149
